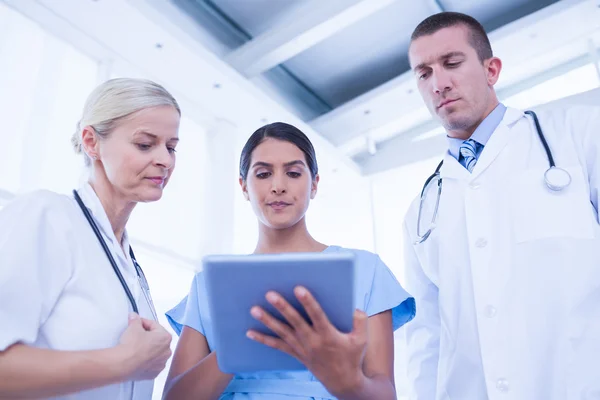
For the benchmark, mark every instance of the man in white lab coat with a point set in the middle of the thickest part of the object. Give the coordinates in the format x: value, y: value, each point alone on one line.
x: 507, y: 285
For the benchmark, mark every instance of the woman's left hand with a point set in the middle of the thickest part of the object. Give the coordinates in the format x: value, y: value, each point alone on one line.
x: 333, y: 357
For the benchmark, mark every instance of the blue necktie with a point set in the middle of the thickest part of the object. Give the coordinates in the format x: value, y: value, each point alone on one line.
x: 468, y: 152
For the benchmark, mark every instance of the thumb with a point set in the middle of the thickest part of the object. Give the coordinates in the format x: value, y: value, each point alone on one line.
x: 149, y: 325
x: 360, y: 322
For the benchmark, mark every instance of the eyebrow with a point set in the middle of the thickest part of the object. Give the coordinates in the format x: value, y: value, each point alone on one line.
x: 442, y: 57
x: 287, y: 164
x: 153, y: 136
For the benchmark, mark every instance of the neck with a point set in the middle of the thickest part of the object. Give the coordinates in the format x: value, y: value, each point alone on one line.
x: 117, y: 209
x: 289, y: 240
x: 465, y: 134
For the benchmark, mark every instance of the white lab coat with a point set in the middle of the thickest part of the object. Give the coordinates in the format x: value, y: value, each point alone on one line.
x: 507, y: 286
x: 57, y: 288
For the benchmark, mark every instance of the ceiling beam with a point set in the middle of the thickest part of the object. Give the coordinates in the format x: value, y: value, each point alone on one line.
x: 437, y: 6
x: 376, y: 108
x: 403, y: 150
x: 303, y: 27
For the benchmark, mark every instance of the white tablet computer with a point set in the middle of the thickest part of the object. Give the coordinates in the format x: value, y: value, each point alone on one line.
x: 235, y: 284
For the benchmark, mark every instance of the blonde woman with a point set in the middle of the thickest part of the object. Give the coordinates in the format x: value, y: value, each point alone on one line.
x: 76, y: 315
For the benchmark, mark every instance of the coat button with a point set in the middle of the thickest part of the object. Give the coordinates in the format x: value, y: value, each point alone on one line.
x: 490, y: 311
x: 502, y: 385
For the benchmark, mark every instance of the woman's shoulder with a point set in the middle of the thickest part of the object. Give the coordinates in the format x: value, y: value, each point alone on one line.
x: 41, y: 220
x: 364, y: 258
x: 40, y: 203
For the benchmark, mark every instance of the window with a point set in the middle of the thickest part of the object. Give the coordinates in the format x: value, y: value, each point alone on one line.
x: 44, y: 84
x: 575, y: 81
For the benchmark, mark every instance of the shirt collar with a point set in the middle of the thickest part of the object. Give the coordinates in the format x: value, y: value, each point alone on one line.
x: 483, y: 132
x: 93, y: 204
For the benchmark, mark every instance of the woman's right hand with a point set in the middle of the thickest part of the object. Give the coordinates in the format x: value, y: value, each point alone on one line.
x: 146, y: 346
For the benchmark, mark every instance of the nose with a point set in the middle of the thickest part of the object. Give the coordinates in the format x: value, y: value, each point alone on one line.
x: 278, y: 185
x: 440, y: 81
x: 164, y: 158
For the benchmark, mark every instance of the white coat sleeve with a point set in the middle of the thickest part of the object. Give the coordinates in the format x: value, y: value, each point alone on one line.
x: 34, y: 266
x: 423, y: 332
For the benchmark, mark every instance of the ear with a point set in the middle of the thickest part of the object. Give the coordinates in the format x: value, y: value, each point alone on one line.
x: 493, y: 68
x: 314, y: 186
x: 89, y: 142
x: 244, y: 187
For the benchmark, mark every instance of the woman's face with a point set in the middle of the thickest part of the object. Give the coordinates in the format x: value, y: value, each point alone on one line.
x: 138, y: 157
x: 279, y: 184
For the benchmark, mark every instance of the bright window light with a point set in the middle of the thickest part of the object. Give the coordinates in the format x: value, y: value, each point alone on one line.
x: 576, y: 81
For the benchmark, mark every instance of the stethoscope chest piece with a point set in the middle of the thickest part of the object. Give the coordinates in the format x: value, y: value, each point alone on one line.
x: 557, y: 179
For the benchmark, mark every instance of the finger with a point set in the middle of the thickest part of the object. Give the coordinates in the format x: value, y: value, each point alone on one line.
x: 360, y: 326
x: 133, y: 318
x: 282, y: 330
x: 313, y: 309
x: 293, y: 317
x: 272, y: 342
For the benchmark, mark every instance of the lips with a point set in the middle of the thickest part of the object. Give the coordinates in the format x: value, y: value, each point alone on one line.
x: 446, y: 102
x: 278, y: 205
x: 157, y: 180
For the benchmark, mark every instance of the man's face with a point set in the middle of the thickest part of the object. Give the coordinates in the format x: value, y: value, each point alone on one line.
x: 455, y: 85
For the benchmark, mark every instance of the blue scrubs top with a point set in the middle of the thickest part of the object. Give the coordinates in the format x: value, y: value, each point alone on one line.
x: 377, y: 291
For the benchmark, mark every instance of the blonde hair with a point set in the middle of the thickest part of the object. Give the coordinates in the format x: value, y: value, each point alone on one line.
x: 116, y: 99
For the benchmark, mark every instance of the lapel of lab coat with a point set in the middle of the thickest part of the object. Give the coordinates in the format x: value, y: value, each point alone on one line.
x: 498, y: 141
x: 453, y: 169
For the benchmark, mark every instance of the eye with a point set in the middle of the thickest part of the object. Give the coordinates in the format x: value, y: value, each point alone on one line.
x: 423, y: 75
x: 453, y: 64
x: 293, y: 174
x: 172, y: 150
x: 143, y: 146
x: 263, y: 175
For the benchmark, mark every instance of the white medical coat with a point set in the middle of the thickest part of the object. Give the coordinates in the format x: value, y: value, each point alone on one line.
x: 507, y: 287
x: 57, y: 288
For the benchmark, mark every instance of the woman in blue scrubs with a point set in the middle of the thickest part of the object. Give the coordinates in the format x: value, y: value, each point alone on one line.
x: 279, y: 176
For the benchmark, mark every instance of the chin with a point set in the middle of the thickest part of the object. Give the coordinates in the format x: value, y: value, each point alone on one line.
x: 280, y: 223
x: 457, y: 121
x: 149, y: 196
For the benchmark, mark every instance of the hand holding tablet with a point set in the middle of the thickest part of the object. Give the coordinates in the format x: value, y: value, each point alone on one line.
x: 328, y: 353
x: 298, y: 325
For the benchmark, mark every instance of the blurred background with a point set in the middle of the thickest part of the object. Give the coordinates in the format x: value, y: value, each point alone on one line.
x: 337, y: 69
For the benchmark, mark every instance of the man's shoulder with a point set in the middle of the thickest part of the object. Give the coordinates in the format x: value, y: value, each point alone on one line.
x: 568, y: 113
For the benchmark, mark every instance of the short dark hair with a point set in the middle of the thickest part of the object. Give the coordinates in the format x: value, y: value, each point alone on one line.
x: 279, y: 131
x: 478, y: 38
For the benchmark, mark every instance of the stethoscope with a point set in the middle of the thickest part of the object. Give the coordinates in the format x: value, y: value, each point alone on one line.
x: 555, y: 178
x: 138, y: 268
